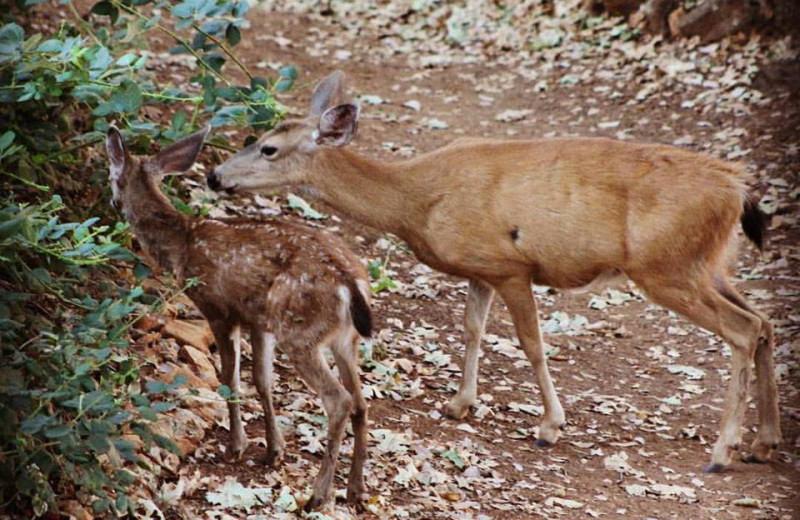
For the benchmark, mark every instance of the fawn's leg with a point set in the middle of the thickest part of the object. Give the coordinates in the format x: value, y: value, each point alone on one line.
x: 479, y: 300
x: 346, y: 355
x: 701, y: 303
x: 228, y: 340
x: 337, y: 403
x: 263, y: 357
x: 518, y: 297
x: 769, y: 425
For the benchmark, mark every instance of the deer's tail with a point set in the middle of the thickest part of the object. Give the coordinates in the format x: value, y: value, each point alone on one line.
x: 754, y: 221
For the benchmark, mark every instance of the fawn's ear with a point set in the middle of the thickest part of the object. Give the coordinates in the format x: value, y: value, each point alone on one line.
x: 327, y: 93
x: 118, y: 156
x: 338, y: 125
x: 179, y: 156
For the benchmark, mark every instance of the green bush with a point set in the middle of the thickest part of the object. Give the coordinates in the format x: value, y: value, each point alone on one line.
x: 70, y: 287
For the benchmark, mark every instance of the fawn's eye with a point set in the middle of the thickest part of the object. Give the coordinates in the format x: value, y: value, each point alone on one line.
x: 268, y: 151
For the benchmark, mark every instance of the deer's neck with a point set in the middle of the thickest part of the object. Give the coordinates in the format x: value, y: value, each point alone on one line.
x: 161, y: 229
x: 381, y: 195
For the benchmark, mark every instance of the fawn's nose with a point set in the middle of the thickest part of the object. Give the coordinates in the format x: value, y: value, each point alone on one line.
x: 213, y: 181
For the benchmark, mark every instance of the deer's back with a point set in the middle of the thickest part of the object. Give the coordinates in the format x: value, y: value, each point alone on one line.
x: 262, y: 271
x: 567, y: 210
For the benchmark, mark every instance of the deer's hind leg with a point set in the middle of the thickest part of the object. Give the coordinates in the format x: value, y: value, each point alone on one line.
x: 228, y: 338
x: 769, y: 426
x: 518, y: 297
x: 336, y: 400
x: 263, y: 359
x: 695, y: 297
x: 345, y: 353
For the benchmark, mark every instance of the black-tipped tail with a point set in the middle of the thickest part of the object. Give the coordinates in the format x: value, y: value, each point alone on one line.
x: 360, y: 313
x: 754, y: 222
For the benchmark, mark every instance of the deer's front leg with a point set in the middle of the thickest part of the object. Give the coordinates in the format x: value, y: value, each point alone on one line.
x: 479, y: 300
x: 517, y: 295
x: 263, y: 361
x: 228, y: 340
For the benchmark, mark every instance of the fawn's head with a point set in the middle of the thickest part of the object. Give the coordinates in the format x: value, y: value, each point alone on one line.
x: 282, y: 156
x: 131, y: 175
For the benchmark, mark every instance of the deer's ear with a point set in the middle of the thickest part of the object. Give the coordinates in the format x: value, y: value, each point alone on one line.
x: 180, y: 156
x: 118, y: 156
x: 328, y: 92
x: 338, y: 125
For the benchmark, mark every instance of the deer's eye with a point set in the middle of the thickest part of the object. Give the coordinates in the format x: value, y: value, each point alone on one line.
x: 268, y: 151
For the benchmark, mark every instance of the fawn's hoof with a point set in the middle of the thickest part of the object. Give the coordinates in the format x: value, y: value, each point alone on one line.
x: 356, y: 499
x: 714, y: 467
x: 542, y: 443
x: 313, y: 503
x: 235, y: 451
x: 274, y: 457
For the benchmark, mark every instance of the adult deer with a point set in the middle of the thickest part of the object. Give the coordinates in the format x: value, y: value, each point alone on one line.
x: 556, y: 212
x: 288, y: 285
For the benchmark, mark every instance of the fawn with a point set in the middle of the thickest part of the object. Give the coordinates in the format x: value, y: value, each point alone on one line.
x: 557, y: 212
x: 289, y: 285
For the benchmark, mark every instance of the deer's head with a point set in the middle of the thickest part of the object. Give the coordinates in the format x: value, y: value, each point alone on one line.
x: 131, y: 175
x: 283, y: 156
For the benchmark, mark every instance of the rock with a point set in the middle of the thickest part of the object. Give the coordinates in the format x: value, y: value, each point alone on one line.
x: 201, y: 362
x: 712, y: 20
x: 148, y: 323
x: 168, y: 371
x: 184, y: 428
x: 612, y: 7
x: 134, y: 439
x: 196, y: 333
x: 75, y: 510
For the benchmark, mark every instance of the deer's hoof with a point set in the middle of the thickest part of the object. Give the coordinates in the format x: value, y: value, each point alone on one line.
x: 714, y: 467
x: 542, y: 443
x: 313, y: 503
x: 751, y: 458
x: 457, y: 409
x: 762, y: 448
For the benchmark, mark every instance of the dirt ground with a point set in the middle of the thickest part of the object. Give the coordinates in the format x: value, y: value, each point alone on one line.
x: 615, y: 372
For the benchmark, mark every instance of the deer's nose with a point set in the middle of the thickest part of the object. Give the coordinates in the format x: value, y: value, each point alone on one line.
x: 213, y: 181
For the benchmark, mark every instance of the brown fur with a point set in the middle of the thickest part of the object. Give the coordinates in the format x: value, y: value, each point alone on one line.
x: 277, y: 280
x: 557, y: 212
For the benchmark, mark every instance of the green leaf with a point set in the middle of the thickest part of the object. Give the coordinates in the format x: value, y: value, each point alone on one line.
x: 11, y: 37
x: 101, y: 506
x: 100, y: 62
x: 156, y: 387
x: 56, y: 432
x: 142, y: 271
x: 50, y: 46
x: 129, y: 98
x: 126, y: 59
x: 167, y: 444
x: 305, y: 208
x: 99, y: 443
x: 453, y: 456
x: 6, y: 139
x: 225, y: 392
x: 33, y: 424
x: 106, y: 8
x: 233, y: 35
x: 288, y: 72
x: 228, y: 115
